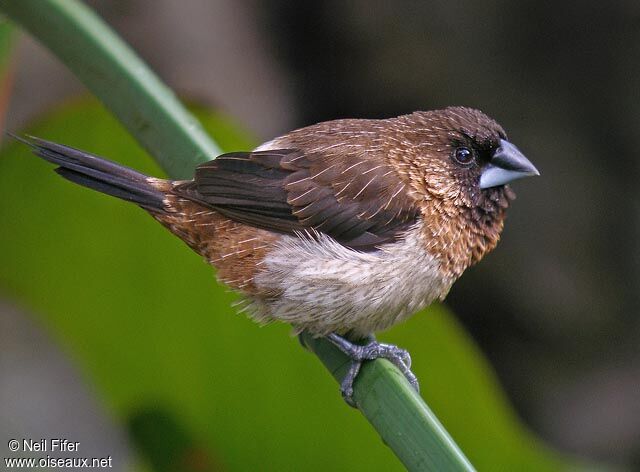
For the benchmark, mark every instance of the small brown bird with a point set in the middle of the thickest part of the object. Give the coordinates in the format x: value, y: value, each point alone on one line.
x: 343, y: 228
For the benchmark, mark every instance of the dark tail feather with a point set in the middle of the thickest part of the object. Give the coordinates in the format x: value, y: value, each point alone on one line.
x: 96, y: 173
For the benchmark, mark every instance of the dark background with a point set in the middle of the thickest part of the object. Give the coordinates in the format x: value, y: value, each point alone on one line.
x: 555, y: 308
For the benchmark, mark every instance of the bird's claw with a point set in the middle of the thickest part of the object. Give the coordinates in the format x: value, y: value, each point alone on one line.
x: 372, y: 350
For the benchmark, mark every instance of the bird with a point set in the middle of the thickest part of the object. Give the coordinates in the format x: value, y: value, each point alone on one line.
x: 341, y: 229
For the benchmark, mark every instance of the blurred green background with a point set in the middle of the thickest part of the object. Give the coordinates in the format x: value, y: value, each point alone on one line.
x: 113, y: 333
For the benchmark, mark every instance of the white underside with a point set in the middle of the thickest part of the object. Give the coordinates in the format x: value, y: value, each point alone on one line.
x: 325, y: 287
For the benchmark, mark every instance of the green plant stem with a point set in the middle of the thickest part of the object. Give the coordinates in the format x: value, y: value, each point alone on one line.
x: 119, y: 78
x: 174, y: 138
x: 401, y: 417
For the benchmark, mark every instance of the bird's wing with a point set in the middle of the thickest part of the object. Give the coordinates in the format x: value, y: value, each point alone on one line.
x: 361, y: 203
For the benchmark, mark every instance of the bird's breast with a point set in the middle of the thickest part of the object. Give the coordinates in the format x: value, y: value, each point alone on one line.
x: 325, y: 287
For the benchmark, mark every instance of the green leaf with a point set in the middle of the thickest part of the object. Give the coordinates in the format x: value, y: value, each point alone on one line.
x: 145, y: 320
x: 116, y: 75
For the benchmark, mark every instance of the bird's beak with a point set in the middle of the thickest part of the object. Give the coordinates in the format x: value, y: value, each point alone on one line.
x: 506, y: 164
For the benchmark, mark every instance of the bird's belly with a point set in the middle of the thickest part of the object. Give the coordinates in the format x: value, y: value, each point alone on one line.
x: 322, y: 286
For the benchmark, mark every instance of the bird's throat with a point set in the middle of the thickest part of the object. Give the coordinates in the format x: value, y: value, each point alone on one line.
x: 460, y: 239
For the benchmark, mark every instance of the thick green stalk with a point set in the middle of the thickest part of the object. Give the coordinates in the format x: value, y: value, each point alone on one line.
x: 401, y: 417
x: 119, y: 78
x: 174, y: 138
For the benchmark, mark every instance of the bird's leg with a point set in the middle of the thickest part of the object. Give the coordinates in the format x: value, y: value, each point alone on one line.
x: 372, y: 350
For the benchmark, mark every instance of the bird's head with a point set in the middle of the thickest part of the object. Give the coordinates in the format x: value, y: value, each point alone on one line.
x: 458, y: 162
x: 460, y: 156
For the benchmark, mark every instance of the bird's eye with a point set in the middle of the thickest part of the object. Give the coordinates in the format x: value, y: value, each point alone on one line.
x: 463, y: 155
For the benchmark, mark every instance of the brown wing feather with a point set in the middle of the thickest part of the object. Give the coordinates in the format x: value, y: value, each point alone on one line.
x: 360, y: 203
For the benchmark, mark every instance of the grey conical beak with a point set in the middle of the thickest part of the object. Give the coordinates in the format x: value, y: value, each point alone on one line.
x: 506, y: 164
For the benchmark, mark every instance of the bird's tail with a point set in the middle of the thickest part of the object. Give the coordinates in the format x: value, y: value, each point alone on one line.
x: 98, y: 174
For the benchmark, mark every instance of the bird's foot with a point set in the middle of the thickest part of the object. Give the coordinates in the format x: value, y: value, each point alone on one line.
x: 372, y: 350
